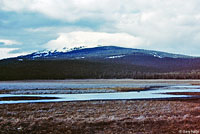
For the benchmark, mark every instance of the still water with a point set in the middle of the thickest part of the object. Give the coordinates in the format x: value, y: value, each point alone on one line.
x: 154, y: 93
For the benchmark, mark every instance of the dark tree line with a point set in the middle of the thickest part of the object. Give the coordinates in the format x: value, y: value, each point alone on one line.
x: 77, y: 69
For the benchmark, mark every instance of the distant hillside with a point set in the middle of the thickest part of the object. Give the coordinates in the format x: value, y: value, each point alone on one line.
x: 104, y: 52
x: 100, y: 62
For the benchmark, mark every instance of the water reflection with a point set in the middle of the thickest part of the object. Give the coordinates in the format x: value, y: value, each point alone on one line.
x: 156, y: 93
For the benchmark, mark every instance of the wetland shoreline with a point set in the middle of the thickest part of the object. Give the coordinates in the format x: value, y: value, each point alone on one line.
x: 116, y: 116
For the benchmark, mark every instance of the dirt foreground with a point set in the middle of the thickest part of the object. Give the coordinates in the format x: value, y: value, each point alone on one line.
x: 110, y: 117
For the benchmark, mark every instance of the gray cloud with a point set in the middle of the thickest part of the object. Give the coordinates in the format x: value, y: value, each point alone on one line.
x: 167, y: 25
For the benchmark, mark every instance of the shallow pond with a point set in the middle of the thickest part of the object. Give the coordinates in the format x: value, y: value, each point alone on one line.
x: 155, y: 93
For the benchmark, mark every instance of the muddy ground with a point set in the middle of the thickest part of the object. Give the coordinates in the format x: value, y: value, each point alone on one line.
x: 110, y: 117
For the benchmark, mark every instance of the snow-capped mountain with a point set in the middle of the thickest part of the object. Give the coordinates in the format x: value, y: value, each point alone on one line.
x: 103, y: 52
x: 49, y: 53
x: 99, y: 62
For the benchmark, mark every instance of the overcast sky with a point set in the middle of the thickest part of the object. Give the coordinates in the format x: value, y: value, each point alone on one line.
x: 166, y: 25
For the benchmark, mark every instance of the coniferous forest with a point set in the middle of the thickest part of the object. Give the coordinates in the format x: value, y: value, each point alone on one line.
x: 82, y: 69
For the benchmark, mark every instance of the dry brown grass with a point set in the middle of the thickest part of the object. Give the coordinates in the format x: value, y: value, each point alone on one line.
x: 101, y: 117
x: 128, y: 89
x: 118, y: 89
x: 5, y: 91
x: 185, y: 93
x: 195, y: 84
x: 24, y: 98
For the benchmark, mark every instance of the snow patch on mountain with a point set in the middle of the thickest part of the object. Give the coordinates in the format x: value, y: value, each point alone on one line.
x: 80, y: 58
x: 116, y: 56
x: 46, y: 52
x: 107, y: 52
x: 156, y: 55
x: 65, y: 49
x: 20, y: 59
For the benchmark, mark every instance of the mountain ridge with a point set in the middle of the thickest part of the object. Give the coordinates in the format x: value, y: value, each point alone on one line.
x: 100, y: 62
x: 101, y: 51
